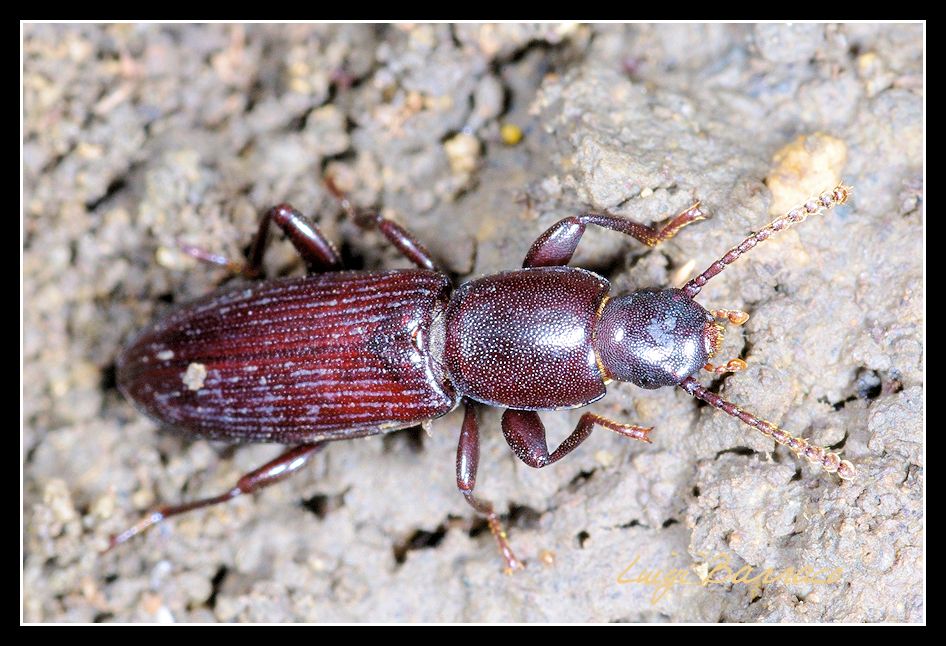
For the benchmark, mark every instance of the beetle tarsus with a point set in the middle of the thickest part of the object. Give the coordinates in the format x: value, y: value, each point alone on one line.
x: 512, y: 563
x: 201, y: 254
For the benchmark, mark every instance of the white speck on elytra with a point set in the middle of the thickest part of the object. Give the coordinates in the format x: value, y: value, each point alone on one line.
x: 195, y: 376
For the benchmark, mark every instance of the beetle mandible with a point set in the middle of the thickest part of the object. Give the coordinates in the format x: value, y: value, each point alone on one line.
x: 343, y: 354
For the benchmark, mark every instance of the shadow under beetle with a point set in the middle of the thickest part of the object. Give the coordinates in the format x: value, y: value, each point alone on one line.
x: 342, y: 354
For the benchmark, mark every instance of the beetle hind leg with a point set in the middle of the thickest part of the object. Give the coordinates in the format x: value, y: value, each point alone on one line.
x: 317, y: 252
x: 270, y: 473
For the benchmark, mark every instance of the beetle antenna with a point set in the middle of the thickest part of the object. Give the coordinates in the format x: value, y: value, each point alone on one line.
x: 829, y: 461
x: 823, y: 202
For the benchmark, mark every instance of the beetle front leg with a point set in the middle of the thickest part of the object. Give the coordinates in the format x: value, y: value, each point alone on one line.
x: 468, y: 457
x: 270, y: 473
x: 556, y: 246
x: 525, y: 434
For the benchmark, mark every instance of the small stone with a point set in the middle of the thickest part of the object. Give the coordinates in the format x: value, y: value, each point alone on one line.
x: 604, y: 458
x: 808, y: 166
x: 789, y: 42
x: 511, y: 134
x: 463, y: 152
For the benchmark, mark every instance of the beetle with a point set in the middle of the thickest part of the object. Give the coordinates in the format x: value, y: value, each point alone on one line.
x: 340, y: 354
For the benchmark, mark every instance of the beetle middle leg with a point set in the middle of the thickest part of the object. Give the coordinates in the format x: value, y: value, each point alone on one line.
x: 397, y: 235
x: 525, y: 434
x: 468, y: 457
x: 558, y: 243
x: 270, y: 473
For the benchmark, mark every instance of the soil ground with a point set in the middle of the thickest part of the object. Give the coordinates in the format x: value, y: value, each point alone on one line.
x: 140, y: 136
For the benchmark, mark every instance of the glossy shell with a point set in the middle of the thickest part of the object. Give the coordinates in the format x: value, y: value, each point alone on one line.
x: 524, y: 339
x: 328, y: 356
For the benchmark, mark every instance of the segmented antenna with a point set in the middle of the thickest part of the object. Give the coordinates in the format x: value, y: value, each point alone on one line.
x: 823, y: 202
x: 830, y: 462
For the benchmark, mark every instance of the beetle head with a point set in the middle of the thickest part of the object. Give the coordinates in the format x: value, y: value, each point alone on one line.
x: 655, y: 338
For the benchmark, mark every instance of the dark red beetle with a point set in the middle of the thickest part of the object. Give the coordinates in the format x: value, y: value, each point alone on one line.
x: 337, y: 355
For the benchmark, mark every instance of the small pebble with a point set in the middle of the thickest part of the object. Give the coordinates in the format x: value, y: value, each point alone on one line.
x: 463, y: 151
x: 511, y: 134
